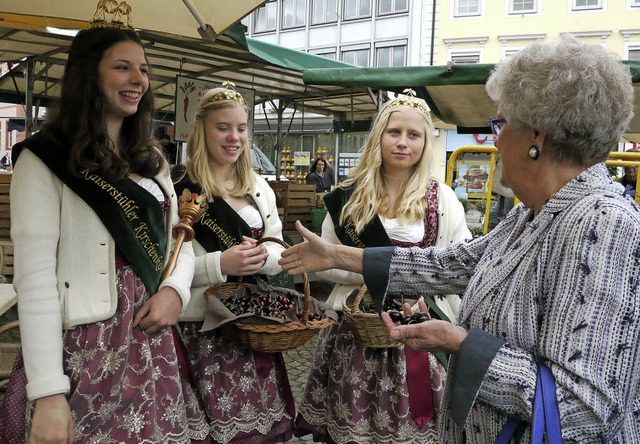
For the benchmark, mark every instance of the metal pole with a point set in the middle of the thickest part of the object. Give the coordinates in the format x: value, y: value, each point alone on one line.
x: 29, y: 80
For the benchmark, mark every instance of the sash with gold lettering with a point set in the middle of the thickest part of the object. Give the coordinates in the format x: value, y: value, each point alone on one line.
x: 220, y: 227
x: 373, y: 234
x: 130, y: 213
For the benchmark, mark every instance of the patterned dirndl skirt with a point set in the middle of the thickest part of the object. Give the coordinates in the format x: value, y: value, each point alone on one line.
x: 246, y: 394
x: 359, y: 394
x: 126, y: 385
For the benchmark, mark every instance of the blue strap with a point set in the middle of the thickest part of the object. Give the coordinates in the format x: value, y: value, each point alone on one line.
x: 551, y: 413
x: 546, y: 417
x: 509, y: 430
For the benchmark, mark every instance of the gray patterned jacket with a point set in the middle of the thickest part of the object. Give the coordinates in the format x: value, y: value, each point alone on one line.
x: 562, y: 289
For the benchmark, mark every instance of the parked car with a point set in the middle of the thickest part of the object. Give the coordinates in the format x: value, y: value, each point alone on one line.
x: 263, y: 166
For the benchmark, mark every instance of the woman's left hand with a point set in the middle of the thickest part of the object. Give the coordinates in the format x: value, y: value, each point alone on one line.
x: 159, y: 311
x: 432, y: 336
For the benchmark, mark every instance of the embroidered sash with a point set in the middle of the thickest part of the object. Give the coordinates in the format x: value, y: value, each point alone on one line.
x: 131, y: 214
x: 373, y: 234
x: 220, y: 227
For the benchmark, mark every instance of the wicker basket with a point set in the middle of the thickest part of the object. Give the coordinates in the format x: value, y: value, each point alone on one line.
x: 8, y: 352
x: 271, y: 338
x: 368, y: 328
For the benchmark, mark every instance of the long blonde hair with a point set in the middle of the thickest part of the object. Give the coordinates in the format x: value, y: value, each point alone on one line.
x: 370, y: 195
x: 198, y: 160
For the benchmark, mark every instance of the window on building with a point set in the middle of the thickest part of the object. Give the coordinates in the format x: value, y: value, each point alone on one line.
x: 522, y: 6
x: 392, y: 6
x: 265, y: 17
x: 294, y: 13
x: 465, y: 57
x: 324, y: 11
x: 391, y: 56
x: 634, y: 53
x: 635, y: 3
x: 355, y: 9
x: 467, y: 7
x: 328, y: 53
x: 587, y: 4
x: 359, y: 57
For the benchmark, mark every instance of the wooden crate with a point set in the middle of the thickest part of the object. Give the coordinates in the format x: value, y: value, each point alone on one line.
x: 289, y: 194
x: 6, y: 258
x: 303, y: 214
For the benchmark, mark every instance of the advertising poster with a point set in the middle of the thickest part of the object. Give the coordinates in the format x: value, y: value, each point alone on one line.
x: 302, y: 158
x: 346, y: 161
x: 188, y: 93
x: 472, y: 177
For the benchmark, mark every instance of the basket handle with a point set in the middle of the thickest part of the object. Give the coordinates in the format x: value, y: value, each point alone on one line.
x: 305, y: 278
x: 8, y: 326
x: 356, y: 302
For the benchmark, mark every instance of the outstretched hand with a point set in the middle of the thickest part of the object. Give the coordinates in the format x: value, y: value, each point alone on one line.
x: 432, y: 336
x: 314, y: 254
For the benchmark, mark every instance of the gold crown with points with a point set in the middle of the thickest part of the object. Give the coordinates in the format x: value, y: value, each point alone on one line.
x: 120, y: 12
x: 409, y: 99
x: 229, y: 93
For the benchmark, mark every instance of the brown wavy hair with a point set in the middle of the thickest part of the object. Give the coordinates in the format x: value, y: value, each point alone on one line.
x: 80, y: 116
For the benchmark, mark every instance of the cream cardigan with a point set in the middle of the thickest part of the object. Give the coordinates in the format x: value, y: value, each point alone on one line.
x: 64, y: 260
x: 452, y: 228
x: 207, y: 268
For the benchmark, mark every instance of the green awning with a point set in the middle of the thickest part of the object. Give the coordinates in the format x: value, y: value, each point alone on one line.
x: 282, y: 56
x: 455, y: 93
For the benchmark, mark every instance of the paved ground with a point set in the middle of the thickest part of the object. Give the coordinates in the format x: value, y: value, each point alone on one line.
x: 299, y: 359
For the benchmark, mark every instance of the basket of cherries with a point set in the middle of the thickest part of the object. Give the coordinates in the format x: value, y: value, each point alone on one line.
x: 266, y: 318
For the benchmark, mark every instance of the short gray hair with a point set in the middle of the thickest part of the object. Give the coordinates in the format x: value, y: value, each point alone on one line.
x: 578, y: 94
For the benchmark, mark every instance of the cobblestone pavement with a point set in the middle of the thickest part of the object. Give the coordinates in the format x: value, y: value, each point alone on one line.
x: 299, y: 359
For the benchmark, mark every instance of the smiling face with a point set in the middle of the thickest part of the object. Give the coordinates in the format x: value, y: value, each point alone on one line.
x: 226, y: 135
x: 123, y: 79
x: 403, y: 140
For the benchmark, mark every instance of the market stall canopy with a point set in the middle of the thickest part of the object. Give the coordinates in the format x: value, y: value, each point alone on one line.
x: 187, y: 18
x: 455, y: 93
x: 36, y: 59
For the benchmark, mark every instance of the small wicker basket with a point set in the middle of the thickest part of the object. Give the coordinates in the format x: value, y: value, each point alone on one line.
x: 8, y: 352
x: 368, y: 328
x: 271, y: 338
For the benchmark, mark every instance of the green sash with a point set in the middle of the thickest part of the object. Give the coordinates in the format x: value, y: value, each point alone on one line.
x: 131, y: 215
x: 373, y: 234
x: 220, y: 227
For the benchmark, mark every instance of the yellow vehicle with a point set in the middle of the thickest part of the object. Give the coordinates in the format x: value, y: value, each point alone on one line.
x: 485, y: 173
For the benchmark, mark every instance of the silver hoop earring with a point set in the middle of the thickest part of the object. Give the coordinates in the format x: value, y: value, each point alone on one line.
x: 534, y: 152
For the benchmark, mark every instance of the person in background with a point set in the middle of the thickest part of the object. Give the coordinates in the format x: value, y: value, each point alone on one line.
x: 93, y: 207
x: 556, y: 283
x: 321, y: 174
x: 357, y: 394
x: 630, y: 178
x: 246, y: 394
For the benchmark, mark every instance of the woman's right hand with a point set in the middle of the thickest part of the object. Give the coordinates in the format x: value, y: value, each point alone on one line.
x: 316, y: 254
x: 245, y: 259
x: 52, y: 422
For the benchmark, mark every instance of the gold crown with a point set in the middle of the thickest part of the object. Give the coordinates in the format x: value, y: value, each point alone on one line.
x: 119, y: 11
x: 229, y: 93
x: 411, y: 100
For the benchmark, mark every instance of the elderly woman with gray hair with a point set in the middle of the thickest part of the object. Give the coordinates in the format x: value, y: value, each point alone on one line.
x: 555, y: 286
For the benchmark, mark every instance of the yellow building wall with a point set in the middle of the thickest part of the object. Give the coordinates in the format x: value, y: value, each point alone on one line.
x: 553, y: 18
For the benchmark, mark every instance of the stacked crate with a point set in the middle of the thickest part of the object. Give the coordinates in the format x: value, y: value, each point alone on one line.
x: 6, y: 247
x: 296, y: 201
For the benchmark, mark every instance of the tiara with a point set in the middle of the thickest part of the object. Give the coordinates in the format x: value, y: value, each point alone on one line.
x: 409, y: 99
x: 119, y: 11
x: 229, y: 93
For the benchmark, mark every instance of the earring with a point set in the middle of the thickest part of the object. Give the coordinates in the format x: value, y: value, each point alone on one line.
x: 534, y: 152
